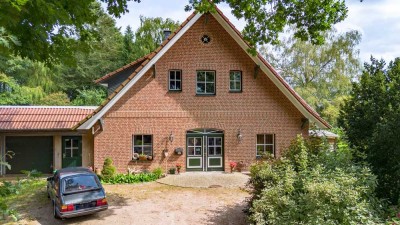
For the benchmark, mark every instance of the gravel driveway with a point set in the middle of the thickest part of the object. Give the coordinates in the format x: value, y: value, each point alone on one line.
x: 154, y: 203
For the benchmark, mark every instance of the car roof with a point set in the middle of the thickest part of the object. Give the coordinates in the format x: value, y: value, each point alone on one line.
x: 74, y: 171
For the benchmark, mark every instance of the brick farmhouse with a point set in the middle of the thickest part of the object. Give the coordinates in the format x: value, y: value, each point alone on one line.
x: 200, y: 100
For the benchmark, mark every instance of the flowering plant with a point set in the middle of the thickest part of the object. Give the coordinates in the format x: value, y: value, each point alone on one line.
x: 178, y: 165
x: 233, y: 164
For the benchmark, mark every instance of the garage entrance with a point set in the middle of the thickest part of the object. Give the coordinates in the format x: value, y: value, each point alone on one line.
x: 31, y: 152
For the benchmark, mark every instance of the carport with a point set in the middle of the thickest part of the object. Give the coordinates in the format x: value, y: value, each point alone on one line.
x: 43, y: 138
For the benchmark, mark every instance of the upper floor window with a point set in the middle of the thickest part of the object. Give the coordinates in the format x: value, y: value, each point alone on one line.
x: 235, y: 81
x: 205, y: 84
x: 265, y: 144
x: 143, y: 144
x: 175, y: 80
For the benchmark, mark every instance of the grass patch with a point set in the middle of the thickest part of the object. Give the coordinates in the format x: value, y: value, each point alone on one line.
x: 16, y: 196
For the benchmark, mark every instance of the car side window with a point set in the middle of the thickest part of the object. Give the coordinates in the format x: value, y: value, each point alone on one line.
x: 56, y: 182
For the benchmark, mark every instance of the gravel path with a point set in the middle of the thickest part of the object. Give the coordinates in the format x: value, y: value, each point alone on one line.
x: 206, y: 179
x: 154, y: 203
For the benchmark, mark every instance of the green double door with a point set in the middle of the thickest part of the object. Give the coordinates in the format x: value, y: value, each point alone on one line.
x: 204, y: 151
x: 71, y: 151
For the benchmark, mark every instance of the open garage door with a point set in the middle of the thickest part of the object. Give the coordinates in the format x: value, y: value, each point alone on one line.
x: 30, y: 153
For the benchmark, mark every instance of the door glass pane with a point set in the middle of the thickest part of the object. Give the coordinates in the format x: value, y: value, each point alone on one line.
x: 190, y: 150
x: 198, y: 142
x: 67, y: 142
x: 75, y: 152
x: 75, y: 142
x: 218, y: 141
x: 67, y: 152
x: 210, y: 141
x: 198, y: 151
x: 190, y: 141
x: 218, y: 150
x: 211, y: 150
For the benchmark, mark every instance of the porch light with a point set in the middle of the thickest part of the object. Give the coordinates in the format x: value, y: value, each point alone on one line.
x: 171, y: 137
x: 239, y: 136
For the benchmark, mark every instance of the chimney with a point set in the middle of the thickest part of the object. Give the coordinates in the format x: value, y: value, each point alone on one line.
x: 166, y: 34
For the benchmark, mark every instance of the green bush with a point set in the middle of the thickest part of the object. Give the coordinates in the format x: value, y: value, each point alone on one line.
x: 108, y: 169
x: 312, y: 185
x: 172, y: 170
x: 131, y: 178
x: 158, y: 172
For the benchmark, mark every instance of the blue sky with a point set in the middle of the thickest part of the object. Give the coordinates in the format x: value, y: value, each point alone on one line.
x: 378, y: 22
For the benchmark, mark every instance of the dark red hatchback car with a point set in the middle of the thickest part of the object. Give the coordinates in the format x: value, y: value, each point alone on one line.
x: 75, y: 191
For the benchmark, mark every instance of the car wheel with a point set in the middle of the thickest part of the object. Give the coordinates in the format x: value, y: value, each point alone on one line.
x: 55, y: 214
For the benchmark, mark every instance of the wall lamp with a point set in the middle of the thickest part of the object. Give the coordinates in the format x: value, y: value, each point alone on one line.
x: 239, y: 136
x: 171, y: 137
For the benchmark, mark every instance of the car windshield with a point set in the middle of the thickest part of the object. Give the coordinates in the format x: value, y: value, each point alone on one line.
x: 79, y: 183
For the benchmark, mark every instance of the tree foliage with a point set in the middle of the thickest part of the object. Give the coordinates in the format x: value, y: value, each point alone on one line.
x: 51, y: 31
x: 266, y: 19
x: 312, y: 185
x: 370, y: 118
x: 321, y: 74
x: 150, y: 35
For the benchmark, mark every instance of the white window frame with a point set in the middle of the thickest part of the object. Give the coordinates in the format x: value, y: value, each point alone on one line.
x: 273, y: 144
x: 142, y: 145
x: 205, y: 82
x: 174, y: 80
x: 234, y: 72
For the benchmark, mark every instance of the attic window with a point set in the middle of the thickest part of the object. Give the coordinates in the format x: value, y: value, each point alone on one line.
x: 205, y: 39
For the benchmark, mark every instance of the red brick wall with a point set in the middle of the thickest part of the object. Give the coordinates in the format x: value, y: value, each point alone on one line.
x: 149, y: 108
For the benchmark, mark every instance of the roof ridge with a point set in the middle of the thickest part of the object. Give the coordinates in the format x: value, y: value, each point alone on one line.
x: 111, y: 74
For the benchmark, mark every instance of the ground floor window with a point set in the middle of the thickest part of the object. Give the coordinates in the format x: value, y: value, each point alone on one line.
x: 265, y: 144
x: 143, y: 144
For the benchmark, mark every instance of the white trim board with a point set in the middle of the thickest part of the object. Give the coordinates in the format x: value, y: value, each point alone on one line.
x: 267, y: 71
x: 90, y: 122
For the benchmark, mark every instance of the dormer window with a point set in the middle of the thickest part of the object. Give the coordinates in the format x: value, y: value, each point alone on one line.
x: 175, y: 80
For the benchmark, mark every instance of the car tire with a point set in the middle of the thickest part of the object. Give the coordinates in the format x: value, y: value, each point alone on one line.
x: 55, y: 214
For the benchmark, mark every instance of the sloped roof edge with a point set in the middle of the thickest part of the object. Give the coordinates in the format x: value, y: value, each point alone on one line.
x: 152, y: 58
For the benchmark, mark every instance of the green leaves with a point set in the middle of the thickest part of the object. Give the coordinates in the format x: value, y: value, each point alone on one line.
x: 313, y: 185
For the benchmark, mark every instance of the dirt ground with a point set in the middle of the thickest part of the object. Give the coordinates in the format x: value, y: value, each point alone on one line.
x: 152, y: 203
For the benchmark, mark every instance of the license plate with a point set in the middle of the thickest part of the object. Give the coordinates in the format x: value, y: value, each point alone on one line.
x: 85, y: 205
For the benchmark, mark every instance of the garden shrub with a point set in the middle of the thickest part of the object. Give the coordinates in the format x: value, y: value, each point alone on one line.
x: 312, y: 185
x: 132, y: 178
x: 108, y: 169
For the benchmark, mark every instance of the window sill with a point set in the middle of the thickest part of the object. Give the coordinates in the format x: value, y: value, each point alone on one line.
x: 205, y: 95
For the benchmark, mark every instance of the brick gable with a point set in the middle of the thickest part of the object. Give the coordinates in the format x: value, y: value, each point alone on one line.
x: 149, y: 108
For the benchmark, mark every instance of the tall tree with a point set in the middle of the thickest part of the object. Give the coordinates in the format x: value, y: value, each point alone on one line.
x: 321, y: 74
x: 127, y: 51
x: 371, y: 118
x: 51, y: 30
x: 150, y: 34
x: 265, y: 19
x: 106, y: 56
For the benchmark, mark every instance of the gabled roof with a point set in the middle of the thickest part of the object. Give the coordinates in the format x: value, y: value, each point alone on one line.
x: 23, y: 118
x: 152, y: 58
x: 114, y: 73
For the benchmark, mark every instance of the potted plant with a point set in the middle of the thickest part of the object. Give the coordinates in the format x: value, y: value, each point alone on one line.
x: 142, y: 157
x: 178, y: 167
x: 233, y: 166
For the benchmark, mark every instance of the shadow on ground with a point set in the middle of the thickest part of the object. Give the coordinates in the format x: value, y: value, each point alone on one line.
x: 229, y: 215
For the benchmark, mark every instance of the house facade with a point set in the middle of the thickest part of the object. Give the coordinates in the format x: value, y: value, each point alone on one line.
x: 200, y: 100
